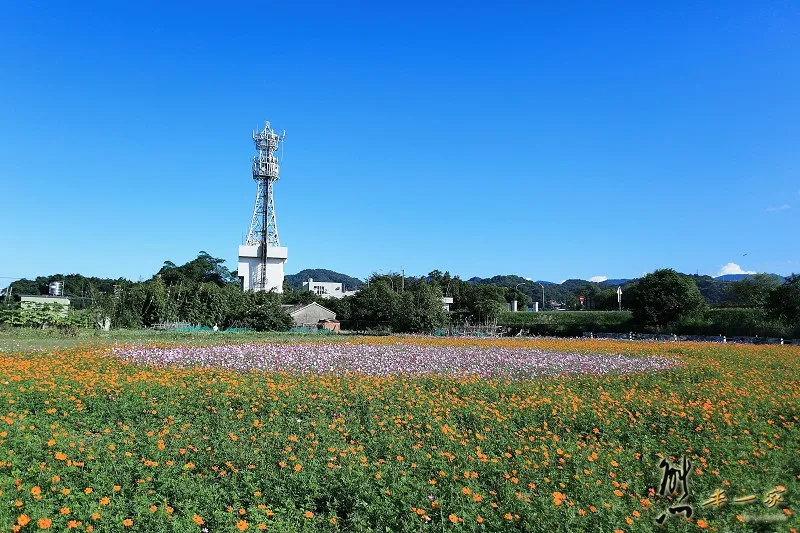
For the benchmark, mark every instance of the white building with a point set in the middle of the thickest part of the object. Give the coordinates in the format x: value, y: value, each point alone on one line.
x: 250, y: 265
x: 326, y: 289
x: 447, y: 301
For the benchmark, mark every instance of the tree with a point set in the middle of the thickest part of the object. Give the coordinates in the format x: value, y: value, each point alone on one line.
x: 483, y: 303
x: 783, y: 302
x: 420, y: 309
x: 374, y: 305
x: 752, y: 292
x: 263, y: 312
x: 663, y: 297
x: 340, y: 306
x: 202, y: 269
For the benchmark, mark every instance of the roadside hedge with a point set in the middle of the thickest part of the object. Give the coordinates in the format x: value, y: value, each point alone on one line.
x: 723, y: 321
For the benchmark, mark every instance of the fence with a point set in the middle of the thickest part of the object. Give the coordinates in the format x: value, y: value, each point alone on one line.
x: 722, y: 339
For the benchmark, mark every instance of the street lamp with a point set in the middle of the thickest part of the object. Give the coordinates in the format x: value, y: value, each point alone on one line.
x: 516, y: 290
x: 542, y: 286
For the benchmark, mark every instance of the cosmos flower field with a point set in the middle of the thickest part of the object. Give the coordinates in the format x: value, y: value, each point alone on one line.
x: 396, y: 434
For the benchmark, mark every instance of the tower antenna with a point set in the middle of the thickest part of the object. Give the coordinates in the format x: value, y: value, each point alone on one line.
x: 261, y: 258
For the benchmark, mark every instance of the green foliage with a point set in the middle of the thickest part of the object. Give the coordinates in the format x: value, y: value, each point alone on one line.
x: 783, y: 302
x: 375, y: 305
x: 736, y: 322
x: 202, y: 269
x: 263, y: 312
x: 663, y: 297
x: 569, y: 323
x: 298, y: 296
x: 420, y: 309
x: 341, y: 306
x: 732, y: 322
x: 751, y: 292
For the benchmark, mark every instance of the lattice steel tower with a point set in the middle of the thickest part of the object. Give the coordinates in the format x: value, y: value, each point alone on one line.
x: 262, y: 257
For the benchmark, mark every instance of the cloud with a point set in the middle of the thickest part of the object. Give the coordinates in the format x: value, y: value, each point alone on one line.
x: 598, y: 279
x: 779, y: 207
x: 732, y: 268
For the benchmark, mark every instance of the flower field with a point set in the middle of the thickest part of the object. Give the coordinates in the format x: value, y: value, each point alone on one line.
x: 398, y: 434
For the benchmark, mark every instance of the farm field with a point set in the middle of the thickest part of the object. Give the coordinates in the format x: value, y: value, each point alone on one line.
x: 221, y: 432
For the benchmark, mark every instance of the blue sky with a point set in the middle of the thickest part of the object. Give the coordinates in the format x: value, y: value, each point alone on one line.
x: 566, y: 142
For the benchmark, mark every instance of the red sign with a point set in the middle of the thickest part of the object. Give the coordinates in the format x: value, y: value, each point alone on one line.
x: 581, y: 298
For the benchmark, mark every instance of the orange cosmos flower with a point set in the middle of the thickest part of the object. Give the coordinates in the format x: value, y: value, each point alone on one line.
x: 23, y: 519
x: 127, y: 522
x: 242, y: 525
x: 44, y: 523
x: 197, y: 519
x: 308, y: 514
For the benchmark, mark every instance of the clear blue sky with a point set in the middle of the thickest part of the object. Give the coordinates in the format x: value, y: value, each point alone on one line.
x: 480, y: 138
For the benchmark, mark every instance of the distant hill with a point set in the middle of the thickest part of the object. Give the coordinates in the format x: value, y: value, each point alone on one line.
x: 616, y: 282
x: 295, y: 281
x: 740, y: 277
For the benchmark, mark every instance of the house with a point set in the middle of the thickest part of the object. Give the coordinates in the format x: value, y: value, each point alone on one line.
x: 326, y: 289
x: 447, y: 301
x: 309, y: 315
x: 330, y: 325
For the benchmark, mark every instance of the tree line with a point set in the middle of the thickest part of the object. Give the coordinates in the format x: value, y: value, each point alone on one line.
x: 204, y: 292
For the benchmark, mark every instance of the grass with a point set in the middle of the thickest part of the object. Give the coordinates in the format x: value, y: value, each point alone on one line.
x: 89, y: 443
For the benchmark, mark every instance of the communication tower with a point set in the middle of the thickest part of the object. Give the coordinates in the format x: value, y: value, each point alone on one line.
x: 262, y: 257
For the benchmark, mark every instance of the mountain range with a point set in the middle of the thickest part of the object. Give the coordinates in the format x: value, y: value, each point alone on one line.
x: 321, y: 274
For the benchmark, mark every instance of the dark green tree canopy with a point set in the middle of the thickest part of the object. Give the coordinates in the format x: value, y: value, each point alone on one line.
x: 663, y: 297
x: 202, y: 269
x: 783, y: 302
x: 752, y: 292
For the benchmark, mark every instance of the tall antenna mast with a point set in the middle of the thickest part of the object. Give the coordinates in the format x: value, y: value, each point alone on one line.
x: 262, y: 238
x: 266, y: 170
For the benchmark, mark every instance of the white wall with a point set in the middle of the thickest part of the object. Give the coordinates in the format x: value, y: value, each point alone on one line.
x: 326, y: 289
x: 249, y: 267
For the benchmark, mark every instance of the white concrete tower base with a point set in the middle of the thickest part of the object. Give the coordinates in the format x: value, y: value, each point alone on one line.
x: 250, y: 267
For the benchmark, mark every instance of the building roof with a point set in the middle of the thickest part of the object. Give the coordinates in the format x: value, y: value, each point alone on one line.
x: 293, y: 309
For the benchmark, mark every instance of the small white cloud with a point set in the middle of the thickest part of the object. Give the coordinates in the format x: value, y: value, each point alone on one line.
x: 779, y: 207
x: 598, y: 279
x: 732, y: 268
x: 562, y: 281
